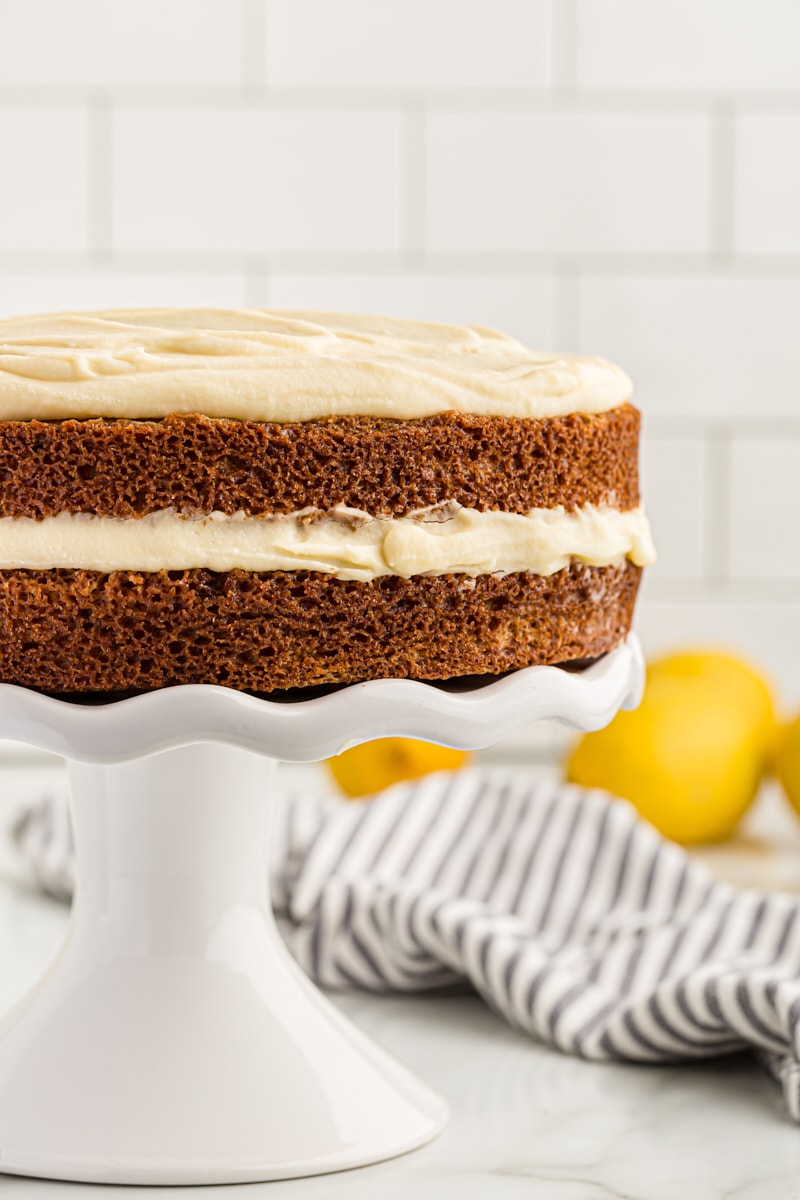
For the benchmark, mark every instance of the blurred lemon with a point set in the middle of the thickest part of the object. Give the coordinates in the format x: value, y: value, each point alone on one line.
x: 692, y: 756
x: 787, y: 762
x: 376, y: 765
x: 722, y: 672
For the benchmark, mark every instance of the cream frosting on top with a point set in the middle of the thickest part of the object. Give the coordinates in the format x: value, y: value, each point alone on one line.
x: 252, y: 364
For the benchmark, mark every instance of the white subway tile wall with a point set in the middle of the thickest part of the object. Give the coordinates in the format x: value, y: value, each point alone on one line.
x: 246, y: 180
x: 91, y: 43
x: 767, y: 182
x: 691, y: 45
x: 608, y: 176
x: 408, y: 44
x: 45, y: 189
x: 108, y: 287
x: 521, y: 305
x: 765, y: 510
x: 700, y: 347
x: 634, y: 183
x: 677, y: 510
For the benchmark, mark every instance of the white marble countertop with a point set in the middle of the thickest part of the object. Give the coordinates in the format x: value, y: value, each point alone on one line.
x: 526, y: 1121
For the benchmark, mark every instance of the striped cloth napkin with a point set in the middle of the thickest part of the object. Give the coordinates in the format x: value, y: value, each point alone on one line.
x: 570, y: 916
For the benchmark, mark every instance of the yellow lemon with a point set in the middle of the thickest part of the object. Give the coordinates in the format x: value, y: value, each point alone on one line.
x: 376, y: 765
x: 787, y: 762
x: 692, y: 756
x: 722, y: 672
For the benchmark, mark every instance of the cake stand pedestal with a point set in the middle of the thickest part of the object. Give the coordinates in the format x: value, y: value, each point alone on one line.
x: 174, y: 1040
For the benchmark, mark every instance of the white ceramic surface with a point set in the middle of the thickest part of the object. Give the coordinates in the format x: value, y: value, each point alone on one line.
x: 173, y: 1040
x: 470, y: 717
x: 527, y: 1122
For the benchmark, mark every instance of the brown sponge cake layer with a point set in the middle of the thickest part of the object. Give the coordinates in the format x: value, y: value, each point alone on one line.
x: 200, y: 464
x: 84, y: 631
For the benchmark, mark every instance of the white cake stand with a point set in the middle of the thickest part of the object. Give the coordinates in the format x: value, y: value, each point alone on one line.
x: 174, y: 1040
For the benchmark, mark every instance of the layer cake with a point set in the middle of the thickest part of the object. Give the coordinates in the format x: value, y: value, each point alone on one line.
x: 272, y: 500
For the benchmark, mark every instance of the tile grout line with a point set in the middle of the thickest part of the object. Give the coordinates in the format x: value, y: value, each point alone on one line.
x: 457, y: 263
x: 254, y: 32
x: 763, y: 427
x: 257, y: 284
x: 563, y: 28
x: 562, y: 96
x: 565, y: 316
x: 721, y: 184
x: 680, y: 590
x: 635, y: 265
x: 576, y: 308
x: 100, y: 166
x: 413, y: 184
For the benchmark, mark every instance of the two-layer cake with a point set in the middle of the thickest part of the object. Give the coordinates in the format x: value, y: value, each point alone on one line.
x: 276, y: 500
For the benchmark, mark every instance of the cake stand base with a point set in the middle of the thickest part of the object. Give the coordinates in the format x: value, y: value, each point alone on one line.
x: 174, y: 1040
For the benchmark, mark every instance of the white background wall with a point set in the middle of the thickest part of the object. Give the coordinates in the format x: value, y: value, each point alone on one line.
x: 609, y: 176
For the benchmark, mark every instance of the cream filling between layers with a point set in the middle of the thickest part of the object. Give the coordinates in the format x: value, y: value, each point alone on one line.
x: 344, y: 542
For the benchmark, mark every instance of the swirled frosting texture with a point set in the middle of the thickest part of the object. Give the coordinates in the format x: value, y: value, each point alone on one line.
x: 251, y: 364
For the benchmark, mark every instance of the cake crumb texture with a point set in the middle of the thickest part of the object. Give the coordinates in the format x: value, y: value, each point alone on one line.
x: 387, y: 468
x: 75, y: 631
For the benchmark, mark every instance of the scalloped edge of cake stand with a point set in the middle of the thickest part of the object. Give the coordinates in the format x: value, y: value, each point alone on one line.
x: 468, y: 717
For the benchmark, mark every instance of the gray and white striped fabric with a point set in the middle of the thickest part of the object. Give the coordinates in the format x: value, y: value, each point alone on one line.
x: 572, y: 918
